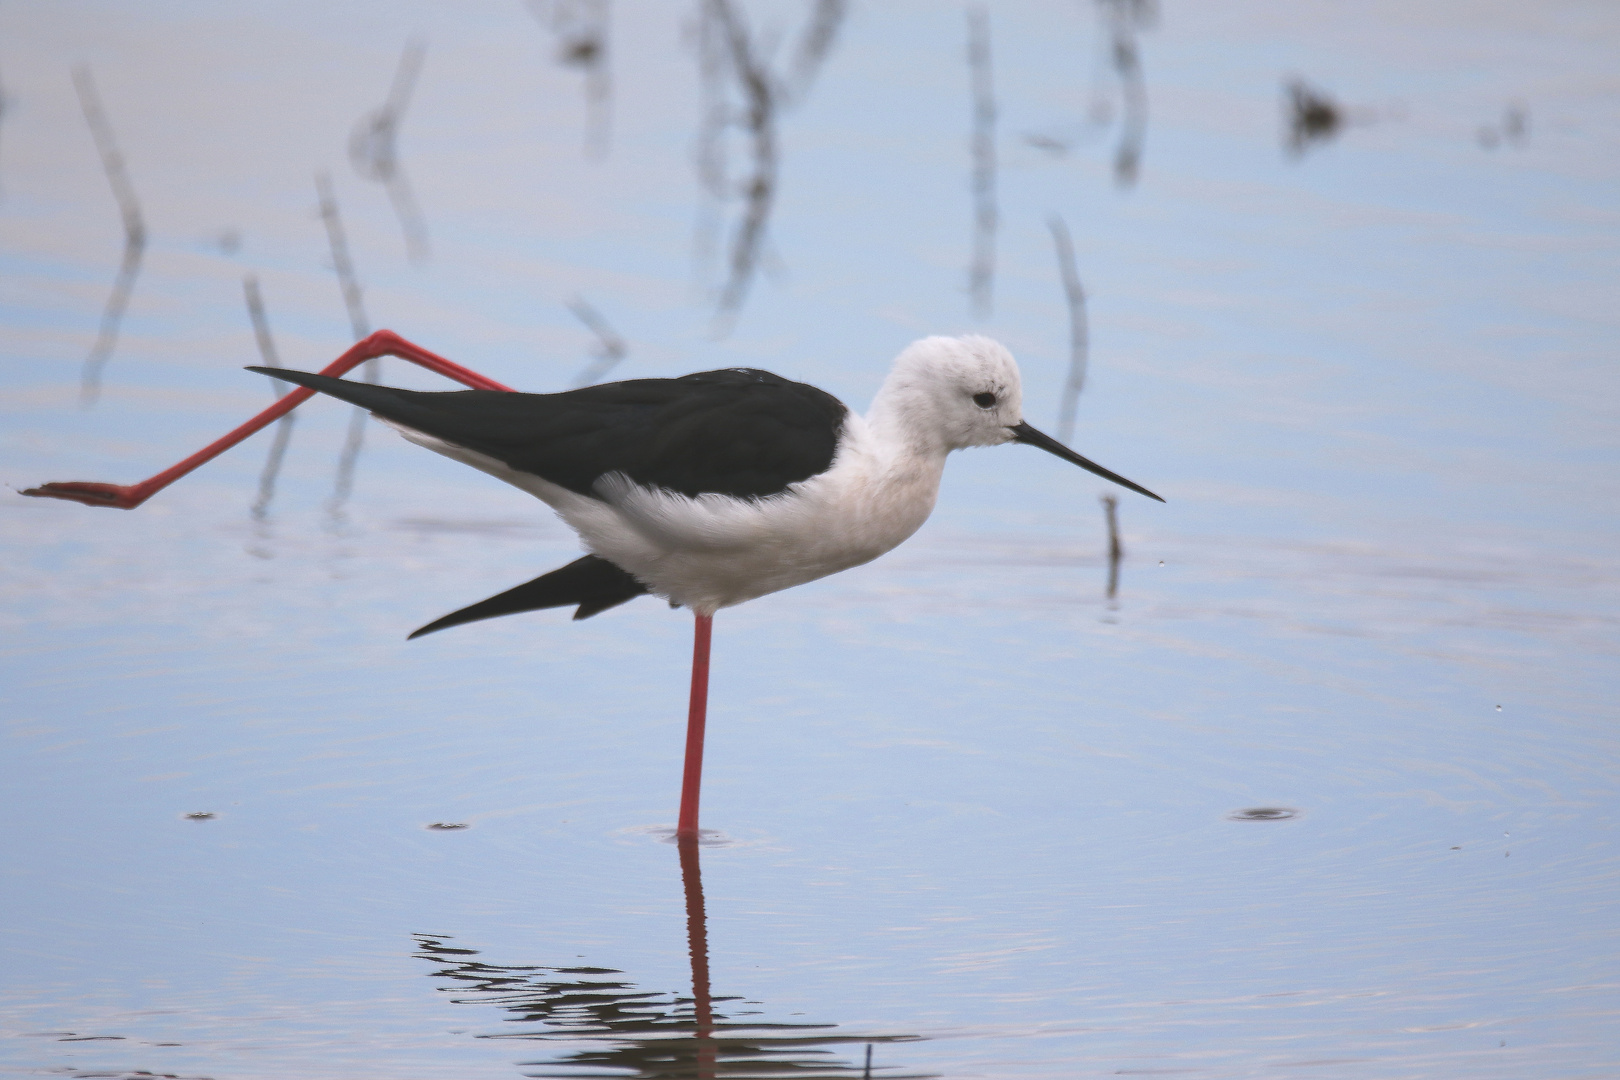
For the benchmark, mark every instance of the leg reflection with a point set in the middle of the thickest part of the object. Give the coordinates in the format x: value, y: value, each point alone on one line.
x: 600, y: 1023
x: 697, y: 945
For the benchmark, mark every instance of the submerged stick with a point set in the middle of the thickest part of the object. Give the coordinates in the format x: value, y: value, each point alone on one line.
x: 759, y: 121
x: 129, y: 208
x: 981, y: 273
x: 284, y: 426
x: 5, y: 107
x: 1116, y: 550
x: 727, y: 47
x: 350, y: 284
x: 374, y: 153
x: 1079, y: 332
x: 610, y: 347
x: 820, y: 34
x: 1123, y: 18
x: 582, y: 29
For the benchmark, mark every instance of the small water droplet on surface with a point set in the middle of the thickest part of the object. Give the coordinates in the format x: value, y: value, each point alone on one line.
x: 201, y: 815
x: 1263, y: 813
x: 447, y: 826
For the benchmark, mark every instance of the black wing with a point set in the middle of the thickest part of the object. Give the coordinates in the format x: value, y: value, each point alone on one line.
x: 735, y: 432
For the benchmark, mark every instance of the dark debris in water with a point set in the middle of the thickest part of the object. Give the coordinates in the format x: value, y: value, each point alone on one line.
x: 1514, y: 128
x: 201, y: 815
x: 1263, y: 813
x: 1313, y: 116
x: 447, y: 826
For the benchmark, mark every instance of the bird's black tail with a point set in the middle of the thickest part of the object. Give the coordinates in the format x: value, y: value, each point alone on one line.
x: 593, y: 583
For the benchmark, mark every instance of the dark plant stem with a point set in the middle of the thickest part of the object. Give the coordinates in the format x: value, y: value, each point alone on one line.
x: 129, y: 208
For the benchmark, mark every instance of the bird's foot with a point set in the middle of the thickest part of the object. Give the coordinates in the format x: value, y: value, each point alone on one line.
x: 117, y: 496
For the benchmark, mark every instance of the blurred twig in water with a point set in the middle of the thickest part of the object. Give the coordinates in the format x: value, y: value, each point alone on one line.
x: 344, y: 266
x: 341, y: 263
x: 1079, y: 333
x: 820, y: 33
x: 758, y: 119
x: 1122, y: 19
x: 581, y: 28
x: 1514, y: 128
x: 284, y: 426
x: 1116, y: 551
x: 732, y: 63
x: 981, y: 273
x: 610, y: 347
x: 5, y: 106
x: 129, y: 208
x: 1313, y: 116
x: 374, y: 152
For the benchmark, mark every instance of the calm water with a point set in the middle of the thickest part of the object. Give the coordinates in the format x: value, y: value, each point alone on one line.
x: 977, y: 817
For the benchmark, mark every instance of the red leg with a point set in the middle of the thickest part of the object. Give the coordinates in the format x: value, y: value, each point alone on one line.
x: 382, y: 343
x: 686, y: 827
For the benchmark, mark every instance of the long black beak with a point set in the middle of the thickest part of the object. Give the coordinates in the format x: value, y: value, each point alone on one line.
x: 1025, y: 434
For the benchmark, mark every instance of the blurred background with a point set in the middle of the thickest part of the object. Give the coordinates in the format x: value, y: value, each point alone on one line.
x: 1314, y: 777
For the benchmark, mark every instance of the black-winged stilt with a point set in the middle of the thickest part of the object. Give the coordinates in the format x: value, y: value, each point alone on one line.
x: 706, y: 490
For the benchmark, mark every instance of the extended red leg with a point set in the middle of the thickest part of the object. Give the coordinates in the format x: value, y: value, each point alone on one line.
x: 686, y: 827
x: 382, y: 343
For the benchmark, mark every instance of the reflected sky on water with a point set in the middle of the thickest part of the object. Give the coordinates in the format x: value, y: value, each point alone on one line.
x: 969, y: 800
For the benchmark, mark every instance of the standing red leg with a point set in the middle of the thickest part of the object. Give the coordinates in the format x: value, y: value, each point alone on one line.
x: 686, y: 827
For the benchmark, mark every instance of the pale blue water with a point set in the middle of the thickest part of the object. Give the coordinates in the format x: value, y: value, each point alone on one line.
x: 973, y: 806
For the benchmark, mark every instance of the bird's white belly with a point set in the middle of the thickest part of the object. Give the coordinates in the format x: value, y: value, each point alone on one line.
x: 714, y: 551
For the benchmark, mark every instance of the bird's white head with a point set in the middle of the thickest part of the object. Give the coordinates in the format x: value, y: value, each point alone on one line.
x: 948, y: 393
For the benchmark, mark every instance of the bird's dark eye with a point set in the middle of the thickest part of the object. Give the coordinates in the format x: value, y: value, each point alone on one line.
x: 985, y: 401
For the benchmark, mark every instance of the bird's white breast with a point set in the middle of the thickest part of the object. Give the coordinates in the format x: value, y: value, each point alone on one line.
x: 714, y: 551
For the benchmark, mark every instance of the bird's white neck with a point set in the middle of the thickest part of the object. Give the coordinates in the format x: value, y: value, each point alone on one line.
x: 898, y: 420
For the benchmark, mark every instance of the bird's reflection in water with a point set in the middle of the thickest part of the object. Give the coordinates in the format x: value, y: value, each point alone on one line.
x: 630, y: 1032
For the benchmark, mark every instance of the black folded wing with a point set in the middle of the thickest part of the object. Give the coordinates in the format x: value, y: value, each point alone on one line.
x: 738, y: 432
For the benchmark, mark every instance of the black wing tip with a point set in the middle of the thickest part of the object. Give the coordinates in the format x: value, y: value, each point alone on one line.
x: 584, y: 611
x: 590, y: 585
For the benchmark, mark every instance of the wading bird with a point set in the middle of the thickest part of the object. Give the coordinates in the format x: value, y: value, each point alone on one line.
x: 707, y: 490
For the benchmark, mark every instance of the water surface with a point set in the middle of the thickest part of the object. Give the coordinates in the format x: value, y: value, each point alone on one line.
x: 976, y: 815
